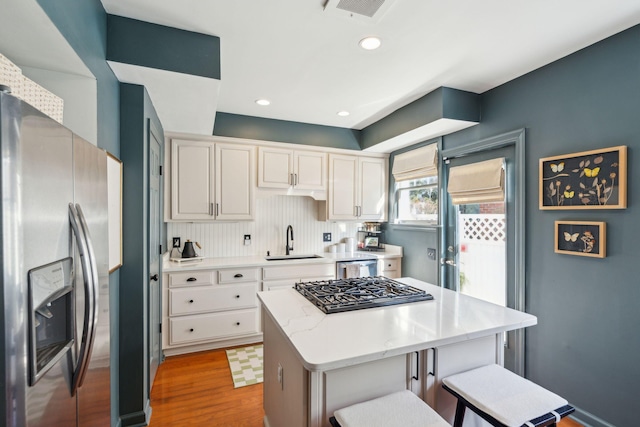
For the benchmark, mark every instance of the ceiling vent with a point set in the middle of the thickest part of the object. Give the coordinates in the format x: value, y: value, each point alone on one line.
x: 367, y: 10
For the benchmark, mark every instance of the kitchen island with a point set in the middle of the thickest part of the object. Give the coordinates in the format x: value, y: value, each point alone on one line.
x: 315, y: 363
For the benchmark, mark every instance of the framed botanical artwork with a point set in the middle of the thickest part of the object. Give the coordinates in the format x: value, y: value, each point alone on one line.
x: 584, y: 238
x: 595, y: 179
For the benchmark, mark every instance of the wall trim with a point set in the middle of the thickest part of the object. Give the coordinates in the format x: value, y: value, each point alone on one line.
x: 588, y: 419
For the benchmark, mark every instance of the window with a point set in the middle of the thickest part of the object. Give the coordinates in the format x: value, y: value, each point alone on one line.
x: 416, y: 191
x: 417, y: 200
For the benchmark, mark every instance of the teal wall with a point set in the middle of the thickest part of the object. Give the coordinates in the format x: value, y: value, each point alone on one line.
x: 442, y: 103
x: 586, y: 344
x: 156, y: 46
x: 239, y: 126
x: 135, y: 109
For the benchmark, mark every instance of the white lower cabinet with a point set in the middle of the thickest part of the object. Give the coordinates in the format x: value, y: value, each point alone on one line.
x: 205, y: 309
x: 390, y: 267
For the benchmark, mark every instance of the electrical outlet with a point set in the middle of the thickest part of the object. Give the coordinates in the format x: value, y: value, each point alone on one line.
x: 247, y: 239
x: 176, y: 242
x: 431, y: 254
x: 326, y: 237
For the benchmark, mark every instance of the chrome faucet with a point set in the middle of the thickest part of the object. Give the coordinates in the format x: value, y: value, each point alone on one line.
x: 289, y: 231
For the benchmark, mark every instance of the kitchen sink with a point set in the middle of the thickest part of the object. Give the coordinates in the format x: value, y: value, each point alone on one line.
x: 290, y: 257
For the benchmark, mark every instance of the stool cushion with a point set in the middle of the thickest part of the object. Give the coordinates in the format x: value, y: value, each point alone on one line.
x: 505, y: 396
x: 402, y: 409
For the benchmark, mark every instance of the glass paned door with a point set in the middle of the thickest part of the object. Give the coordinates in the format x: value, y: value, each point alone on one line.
x: 478, y: 242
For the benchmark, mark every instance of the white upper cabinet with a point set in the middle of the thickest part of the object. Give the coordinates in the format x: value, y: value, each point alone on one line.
x: 211, y: 181
x: 372, y: 187
x: 192, y: 190
x: 234, y: 182
x: 310, y: 170
x: 298, y: 169
x: 357, y: 188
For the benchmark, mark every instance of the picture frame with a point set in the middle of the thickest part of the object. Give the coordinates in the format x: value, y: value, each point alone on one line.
x: 114, y: 203
x: 582, y: 238
x: 595, y: 179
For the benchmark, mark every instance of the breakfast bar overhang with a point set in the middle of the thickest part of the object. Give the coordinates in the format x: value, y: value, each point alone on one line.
x: 316, y: 363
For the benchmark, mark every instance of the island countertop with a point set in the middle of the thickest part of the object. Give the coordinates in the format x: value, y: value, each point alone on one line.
x: 330, y: 341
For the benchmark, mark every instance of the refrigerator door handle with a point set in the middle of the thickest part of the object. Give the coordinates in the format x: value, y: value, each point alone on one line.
x: 84, y: 352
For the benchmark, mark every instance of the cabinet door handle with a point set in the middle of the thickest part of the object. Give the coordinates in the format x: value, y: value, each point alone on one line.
x: 211, y: 209
x: 237, y: 323
x: 291, y: 179
x: 295, y: 175
x: 191, y: 330
x: 190, y: 301
x: 238, y: 275
x: 417, y: 375
x: 217, y: 209
x: 237, y: 296
x: 191, y: 279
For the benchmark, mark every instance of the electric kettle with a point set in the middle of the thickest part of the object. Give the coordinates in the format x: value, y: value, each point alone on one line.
x: 188, y: 251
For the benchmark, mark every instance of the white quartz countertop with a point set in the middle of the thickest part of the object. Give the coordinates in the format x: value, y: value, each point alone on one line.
x: 330, y: 341
x: 260, y: 261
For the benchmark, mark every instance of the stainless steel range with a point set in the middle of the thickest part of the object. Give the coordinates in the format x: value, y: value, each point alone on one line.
x: 335, y: 296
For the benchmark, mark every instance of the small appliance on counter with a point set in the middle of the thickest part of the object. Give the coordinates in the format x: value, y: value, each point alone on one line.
x: 188, y: 253
x: 370, y: 237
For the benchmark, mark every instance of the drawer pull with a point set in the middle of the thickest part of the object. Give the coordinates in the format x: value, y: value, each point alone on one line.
x: 237, y: 276
x: 237, y: 323
x: 191, y: 279
x: 237, y: 296
x: 190, y: 301
x: 191, y: 330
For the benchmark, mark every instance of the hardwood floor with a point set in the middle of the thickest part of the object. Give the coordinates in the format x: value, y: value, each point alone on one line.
x: 197, y: 390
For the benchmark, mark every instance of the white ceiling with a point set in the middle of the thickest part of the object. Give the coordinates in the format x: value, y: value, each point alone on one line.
x: 308, y: 63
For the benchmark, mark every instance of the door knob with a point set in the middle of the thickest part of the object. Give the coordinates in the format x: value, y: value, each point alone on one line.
x: 447, y: 261
x: 154, y: 277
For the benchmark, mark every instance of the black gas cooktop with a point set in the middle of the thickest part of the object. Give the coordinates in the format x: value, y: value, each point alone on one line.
x: 335, y: 296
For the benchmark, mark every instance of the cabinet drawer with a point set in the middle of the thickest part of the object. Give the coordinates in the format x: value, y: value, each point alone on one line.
x: 389, y: 264
x: 210, y: 298
x: 299, y: 271
x: 192, y: 278
x: 211, y: 326
x: 238, y: 275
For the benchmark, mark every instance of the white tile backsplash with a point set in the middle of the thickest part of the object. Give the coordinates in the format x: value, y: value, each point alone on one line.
x: 273, y: 215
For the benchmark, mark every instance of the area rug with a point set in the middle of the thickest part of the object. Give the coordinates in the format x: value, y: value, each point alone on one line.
x: 246, y: 365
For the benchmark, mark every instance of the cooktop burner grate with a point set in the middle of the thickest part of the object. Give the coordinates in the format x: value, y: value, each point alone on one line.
x: 335, y: 296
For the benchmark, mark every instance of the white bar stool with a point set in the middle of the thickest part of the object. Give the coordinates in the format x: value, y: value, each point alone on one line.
x: 400, y: 409
x: 504, y: 399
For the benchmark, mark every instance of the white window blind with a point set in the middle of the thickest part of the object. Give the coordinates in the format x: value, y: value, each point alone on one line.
x: 480, y: 182
x: 414, y: 164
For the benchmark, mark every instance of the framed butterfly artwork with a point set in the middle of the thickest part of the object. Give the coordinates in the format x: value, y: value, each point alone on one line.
x: 595, y: 179
x: 584, y: 238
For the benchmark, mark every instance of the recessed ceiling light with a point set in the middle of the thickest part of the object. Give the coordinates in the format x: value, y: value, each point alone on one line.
x: 370, y: 43
x: 343, y: 113
x: 263, y: 102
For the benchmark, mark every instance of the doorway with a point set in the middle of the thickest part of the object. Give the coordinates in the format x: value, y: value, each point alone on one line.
x: 482, y: 244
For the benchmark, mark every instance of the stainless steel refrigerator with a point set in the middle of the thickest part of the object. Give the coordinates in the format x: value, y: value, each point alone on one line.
x: 54, y: 331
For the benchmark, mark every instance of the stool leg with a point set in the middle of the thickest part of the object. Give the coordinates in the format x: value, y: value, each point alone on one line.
x: 459, y: 414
